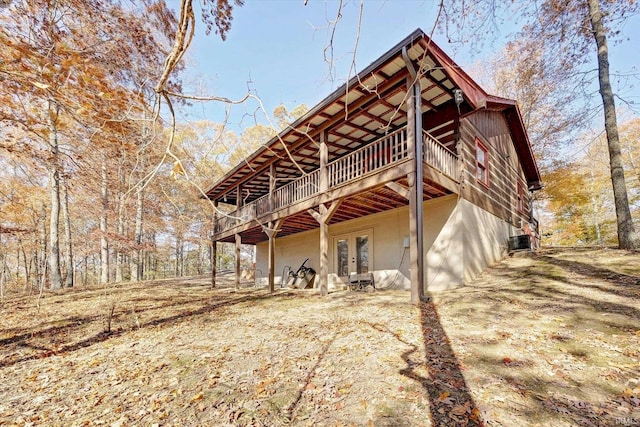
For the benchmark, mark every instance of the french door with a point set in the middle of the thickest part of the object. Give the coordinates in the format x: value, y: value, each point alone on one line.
x: 353, y: 253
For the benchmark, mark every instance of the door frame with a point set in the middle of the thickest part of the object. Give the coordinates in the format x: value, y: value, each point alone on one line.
x: 351, y: 238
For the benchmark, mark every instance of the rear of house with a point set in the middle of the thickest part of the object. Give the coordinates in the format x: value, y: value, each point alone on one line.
x: 410, y: 175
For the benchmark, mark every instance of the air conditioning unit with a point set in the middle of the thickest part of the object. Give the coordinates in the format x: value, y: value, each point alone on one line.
x: 519, y: 243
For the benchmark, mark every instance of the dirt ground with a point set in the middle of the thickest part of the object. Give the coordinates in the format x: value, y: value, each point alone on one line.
x: 551, y: 339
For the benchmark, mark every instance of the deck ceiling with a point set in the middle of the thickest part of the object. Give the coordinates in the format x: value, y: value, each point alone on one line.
x: 374, y: 201
x: 370, y: 106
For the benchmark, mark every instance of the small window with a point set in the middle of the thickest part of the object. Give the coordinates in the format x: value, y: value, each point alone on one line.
x: 482, y: 163
x: 520, y: 203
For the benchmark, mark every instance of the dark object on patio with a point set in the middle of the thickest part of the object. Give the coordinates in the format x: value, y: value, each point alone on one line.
x: 520, y: 243
x: 303, y: 278
x: 361, y: 281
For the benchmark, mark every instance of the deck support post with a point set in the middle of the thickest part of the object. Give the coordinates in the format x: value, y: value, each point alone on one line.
x: 214, y: 247
x: 238, y: 243
x: 324, y: 160
x: 415, y: 178
x: 271, y: 229
x: 323, y: 216
x: 214, y: 261
x: 272, y: 187
x: 238, y: 203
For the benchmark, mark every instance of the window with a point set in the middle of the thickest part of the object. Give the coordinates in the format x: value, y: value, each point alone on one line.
x: 520, y: 202
x: 482, y: 163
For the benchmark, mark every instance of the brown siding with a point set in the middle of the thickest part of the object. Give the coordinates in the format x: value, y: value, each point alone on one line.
x: 504, y: 168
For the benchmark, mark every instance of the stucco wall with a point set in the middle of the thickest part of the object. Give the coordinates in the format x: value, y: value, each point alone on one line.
x: 388, y: 230
x: 486, y: 239
x: 442, y: 242
x: 460, y: 240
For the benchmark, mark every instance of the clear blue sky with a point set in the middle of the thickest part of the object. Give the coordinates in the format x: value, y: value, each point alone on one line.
x: 277, y: 46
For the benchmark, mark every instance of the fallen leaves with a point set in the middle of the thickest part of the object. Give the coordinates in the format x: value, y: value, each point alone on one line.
x: 203, y: 357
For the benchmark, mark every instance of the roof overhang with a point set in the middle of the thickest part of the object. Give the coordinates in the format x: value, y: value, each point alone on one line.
x: 368, y: 106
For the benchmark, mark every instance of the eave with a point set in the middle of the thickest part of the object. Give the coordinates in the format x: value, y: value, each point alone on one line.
x: 367, y: 107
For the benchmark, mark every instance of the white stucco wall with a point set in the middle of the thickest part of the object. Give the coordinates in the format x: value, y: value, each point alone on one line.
x: 485, y: 239
x: 390, y: 258
x: 387, y: 232
x: 443, y: 245
x: 460, y: 240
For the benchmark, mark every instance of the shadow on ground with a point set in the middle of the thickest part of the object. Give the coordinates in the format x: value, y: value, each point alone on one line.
x: 45, y: 340
x: 450, y: 402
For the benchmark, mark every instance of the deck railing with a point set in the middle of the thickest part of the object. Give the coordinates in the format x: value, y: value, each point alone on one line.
x: 384, y: 151
x: 373, y: 157
x: 439, y: 156
x: 295, y: 191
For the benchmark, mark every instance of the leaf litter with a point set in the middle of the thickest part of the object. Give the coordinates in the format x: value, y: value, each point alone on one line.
x: 544, y: 339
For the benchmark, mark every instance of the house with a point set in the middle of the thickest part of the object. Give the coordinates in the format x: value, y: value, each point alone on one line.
x: 410, y: 173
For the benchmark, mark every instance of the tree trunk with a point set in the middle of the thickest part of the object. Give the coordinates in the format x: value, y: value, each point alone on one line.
x: 41, y: 274
x: 119, y: 252
x: 627, y: 238
x: 136, y: 256
x: 27, y: 262
x: 66, y: 220
x: 55, y: 279
x: 104, y: 243
x: 178, y: 258
x: 85, y: 276
x: 2, y: 276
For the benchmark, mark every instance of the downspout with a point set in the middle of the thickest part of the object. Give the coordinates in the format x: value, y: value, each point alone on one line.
x: 417, y: 96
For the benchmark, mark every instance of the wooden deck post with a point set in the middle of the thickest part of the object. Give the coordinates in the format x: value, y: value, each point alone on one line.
x: 323, y: 282
x: 415, y: 178
x: 238, y: 243
x: 271, y: 229
x: 214, y: 261
x: 238, y: 238
x: 323, y: 216
x: 214, y: 247
x: 324, y: 160
x: 272, y: 187
x: 238, y: 202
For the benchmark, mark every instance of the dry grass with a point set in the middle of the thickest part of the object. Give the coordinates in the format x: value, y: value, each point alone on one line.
x: 552, y: 339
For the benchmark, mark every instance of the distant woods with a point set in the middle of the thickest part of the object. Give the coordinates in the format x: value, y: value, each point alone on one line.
x: 85, y: 197
x: 121, y: 226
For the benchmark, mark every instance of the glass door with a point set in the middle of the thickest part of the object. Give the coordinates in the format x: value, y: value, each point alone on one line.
x: 353, y: 254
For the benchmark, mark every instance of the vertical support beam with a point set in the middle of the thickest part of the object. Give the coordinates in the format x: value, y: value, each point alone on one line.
x: 238, y: 201
x: 272, y: 260
x: 324, y: 160
x: 419, y: 180
x: 214, y: 261
x: 214, y: 247
x: 414, y: 255
x: 238, y: 243
x: 271, y: 229
x: 415, y: 178
x: 323, y: 216
x: 324, y: 255
x: 272, y: 186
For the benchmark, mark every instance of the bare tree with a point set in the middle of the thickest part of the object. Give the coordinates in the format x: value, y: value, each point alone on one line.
x: 568, y: 33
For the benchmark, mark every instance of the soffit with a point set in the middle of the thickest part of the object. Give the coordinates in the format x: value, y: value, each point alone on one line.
x: 372, y: 104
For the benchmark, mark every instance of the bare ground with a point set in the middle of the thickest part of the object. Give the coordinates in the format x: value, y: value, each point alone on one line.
x: 546, y: 340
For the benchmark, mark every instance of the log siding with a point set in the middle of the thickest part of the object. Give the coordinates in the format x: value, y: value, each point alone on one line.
x: 505, y: 173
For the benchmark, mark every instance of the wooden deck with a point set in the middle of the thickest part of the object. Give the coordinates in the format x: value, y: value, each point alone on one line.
x: 373, y: 165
